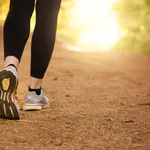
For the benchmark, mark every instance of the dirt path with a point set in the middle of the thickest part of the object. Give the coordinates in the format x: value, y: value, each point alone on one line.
x: 99, y: 102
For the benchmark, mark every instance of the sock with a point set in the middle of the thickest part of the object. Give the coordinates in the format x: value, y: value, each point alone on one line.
x: 37, y: 91
x: 12, y: 66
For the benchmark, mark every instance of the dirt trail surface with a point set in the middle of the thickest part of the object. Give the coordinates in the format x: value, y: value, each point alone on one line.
x: 100, y: 101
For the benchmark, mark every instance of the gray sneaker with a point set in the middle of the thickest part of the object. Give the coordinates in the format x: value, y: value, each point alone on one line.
x: 35, y: 102
x: 8, y: 101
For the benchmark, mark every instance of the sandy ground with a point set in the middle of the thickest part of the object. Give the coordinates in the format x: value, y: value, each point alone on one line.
x: 100, y: 101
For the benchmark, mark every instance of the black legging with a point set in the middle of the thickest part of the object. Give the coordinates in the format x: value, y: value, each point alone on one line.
x: 17, y: 28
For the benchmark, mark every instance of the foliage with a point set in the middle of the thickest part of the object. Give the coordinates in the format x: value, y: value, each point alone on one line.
x: 3, y: 9
x: 66, y: 27
x: 134, y: 20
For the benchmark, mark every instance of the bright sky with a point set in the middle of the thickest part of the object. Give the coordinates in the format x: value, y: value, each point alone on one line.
x: 99, y: 28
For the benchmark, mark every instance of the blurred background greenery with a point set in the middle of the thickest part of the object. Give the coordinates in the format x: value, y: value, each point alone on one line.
x: 108, y: 24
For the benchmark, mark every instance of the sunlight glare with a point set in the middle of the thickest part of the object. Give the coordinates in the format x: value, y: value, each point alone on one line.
x: 98, y: 27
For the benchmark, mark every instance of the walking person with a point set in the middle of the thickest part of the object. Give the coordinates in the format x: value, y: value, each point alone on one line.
x: 16, y: 33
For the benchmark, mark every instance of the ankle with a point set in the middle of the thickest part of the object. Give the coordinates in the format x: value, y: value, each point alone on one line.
x: 11, y: 60
x: 35, y: 86
x: 35, y: 83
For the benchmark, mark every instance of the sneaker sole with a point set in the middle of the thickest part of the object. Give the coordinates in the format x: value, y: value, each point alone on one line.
x: 8, y: 83
x: 34, y: 107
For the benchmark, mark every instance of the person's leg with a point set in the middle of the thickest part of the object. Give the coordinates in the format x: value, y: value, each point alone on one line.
x: 16, y: 30
x: 41, y: 51
x: 43, y: 39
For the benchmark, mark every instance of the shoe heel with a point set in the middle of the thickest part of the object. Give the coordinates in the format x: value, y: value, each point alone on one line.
x: 8, y: 83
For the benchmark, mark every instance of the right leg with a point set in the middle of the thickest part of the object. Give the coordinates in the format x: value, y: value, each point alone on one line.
x: 42, y: 48
x: 43, y: 39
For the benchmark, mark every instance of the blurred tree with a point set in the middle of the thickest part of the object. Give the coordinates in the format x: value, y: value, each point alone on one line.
x: 66, y: 27
x: 134, y: 20
x: 3, y: 9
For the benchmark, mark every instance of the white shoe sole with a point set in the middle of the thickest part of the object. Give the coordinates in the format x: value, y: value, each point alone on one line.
x: 34, y: 107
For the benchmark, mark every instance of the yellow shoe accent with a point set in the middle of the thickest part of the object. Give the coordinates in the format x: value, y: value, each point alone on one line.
x: 6, y: 83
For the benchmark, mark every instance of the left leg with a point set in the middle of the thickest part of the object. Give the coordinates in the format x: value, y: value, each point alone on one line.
x: 16, y: 32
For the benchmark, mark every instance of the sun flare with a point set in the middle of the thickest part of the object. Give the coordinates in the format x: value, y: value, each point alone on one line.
x: 99, y: 28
